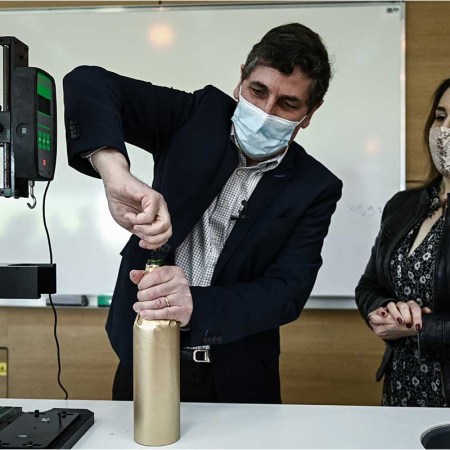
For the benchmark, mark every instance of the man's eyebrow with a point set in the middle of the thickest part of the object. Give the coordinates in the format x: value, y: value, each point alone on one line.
x: 441, y: 108
x: 290, y: 98
x: 259, y: 85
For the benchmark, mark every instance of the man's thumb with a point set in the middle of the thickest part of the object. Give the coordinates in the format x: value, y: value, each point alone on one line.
x: 136, y: 276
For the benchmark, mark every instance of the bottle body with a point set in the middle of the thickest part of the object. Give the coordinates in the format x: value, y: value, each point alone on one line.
x: 156, y: 380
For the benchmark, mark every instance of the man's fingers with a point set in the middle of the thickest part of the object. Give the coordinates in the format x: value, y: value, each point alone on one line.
x: 164, y: 289
x: 167, y: 313
x: 155, y: 242
x: 157, y: 314
x: 154, y: 208
x: 155, y: 228
x: 136, y: 276
x: 161, y: 275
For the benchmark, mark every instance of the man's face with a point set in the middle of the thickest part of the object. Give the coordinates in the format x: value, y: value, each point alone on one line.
x: 278, y: 94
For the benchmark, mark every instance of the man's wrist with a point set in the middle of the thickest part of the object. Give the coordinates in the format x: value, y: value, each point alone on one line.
x: 109, y: 162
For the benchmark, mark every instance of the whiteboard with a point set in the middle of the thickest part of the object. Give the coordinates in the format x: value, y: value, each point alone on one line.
x: 357, y: 133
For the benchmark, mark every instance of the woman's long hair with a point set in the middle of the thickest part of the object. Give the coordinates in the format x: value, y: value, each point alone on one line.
x: 438, y: 93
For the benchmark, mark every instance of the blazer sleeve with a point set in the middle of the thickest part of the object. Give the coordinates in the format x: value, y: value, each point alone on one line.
x: 370, y: 294
x: 103, y: 108
x: 227, y: 314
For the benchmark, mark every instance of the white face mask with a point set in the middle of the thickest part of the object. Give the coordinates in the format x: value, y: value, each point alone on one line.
x: 259, y: 134
x: 439, y: 140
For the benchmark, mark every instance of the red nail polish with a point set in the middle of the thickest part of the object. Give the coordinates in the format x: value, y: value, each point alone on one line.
x: 399, y: 320
x: 408, y: 325
x: 418, y: 327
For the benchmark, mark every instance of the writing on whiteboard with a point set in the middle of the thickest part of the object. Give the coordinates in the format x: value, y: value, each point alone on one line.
x: 365, y: 211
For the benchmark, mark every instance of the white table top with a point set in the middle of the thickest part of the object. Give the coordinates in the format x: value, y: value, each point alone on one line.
x: 259, y: 426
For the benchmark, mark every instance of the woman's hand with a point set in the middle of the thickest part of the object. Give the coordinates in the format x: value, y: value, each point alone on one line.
x: 397, y: 320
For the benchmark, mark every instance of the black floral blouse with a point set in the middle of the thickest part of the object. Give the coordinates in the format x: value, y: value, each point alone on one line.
x: 408, y: 381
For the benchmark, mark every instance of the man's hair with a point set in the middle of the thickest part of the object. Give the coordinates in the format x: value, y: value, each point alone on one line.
x: 438, y: 93
x: 289, y: 46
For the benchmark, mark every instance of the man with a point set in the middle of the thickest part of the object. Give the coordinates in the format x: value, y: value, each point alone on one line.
x: 244, y: 209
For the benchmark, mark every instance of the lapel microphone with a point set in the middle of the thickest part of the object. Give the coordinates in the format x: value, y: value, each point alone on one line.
x: 243, y: 213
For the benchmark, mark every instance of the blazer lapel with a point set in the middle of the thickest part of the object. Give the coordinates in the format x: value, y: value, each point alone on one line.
x: 191, y: 213
x: 269, y: 185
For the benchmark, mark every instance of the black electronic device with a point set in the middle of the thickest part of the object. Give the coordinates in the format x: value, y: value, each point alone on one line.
x: 27, y: 122
x: 33, y: 124
x: 55, y: 428
x: 28, y: 141
x: 27, y: 280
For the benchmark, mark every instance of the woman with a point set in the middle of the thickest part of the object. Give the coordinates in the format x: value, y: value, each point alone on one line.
x: 404, y: 293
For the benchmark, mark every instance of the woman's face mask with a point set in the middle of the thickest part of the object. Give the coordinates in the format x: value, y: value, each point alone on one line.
x: 260, y: 135
x: 439, y: 140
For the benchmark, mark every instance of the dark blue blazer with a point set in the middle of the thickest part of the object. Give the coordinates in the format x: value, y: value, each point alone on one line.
x: 270, y: 261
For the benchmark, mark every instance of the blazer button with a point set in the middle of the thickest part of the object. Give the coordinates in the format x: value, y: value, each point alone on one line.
x: 74, y: 130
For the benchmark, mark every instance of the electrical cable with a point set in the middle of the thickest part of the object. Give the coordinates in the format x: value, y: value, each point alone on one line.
x: 55, y: 325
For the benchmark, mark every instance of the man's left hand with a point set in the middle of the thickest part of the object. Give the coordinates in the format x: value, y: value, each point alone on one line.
x: 164, y: 294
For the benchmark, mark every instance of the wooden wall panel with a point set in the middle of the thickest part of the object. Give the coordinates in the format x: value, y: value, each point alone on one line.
x: 330, y: 357
x: 320, y: 354
x: 427, y: 64
x: 3, y: 372
x: 88, y: 362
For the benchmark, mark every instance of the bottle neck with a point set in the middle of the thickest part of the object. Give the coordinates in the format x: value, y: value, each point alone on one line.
x: 153, y: 263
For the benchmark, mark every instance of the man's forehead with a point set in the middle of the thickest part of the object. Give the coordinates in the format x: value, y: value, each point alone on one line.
x: 294, y: 84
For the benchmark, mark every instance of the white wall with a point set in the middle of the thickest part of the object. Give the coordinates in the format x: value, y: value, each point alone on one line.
x: 357, y: 133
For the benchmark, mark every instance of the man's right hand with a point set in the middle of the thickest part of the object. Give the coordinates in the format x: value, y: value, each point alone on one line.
x: 133, y: 204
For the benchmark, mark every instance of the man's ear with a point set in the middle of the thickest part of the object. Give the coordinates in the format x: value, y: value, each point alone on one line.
x: 238, y: 87
x: 307, y: 121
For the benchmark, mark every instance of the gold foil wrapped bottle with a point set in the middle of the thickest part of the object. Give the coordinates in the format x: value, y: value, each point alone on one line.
x: 156, y: 377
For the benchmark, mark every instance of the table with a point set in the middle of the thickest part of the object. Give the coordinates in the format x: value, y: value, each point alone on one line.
x: 206, y: 425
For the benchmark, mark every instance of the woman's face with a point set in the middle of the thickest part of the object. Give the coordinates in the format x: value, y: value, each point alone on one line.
x: 442, y: 113
x: 439, y: 138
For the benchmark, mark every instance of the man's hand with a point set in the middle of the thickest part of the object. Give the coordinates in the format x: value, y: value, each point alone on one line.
x: 397, y: 320
x: 164, y: 294
x: 134, y: 205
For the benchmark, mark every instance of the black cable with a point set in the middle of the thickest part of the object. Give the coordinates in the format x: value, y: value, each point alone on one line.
x: 50, y: 297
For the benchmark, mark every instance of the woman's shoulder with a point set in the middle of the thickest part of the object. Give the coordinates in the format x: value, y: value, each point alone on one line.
x: 414, y: 193
x: 404, y: 200
x: 411, y: 193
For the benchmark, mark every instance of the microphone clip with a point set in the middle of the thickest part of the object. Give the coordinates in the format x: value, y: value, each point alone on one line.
x: 243, y: 213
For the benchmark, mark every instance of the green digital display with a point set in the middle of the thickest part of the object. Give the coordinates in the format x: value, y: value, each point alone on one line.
x: 44, y: 94
x: 44, y: 86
